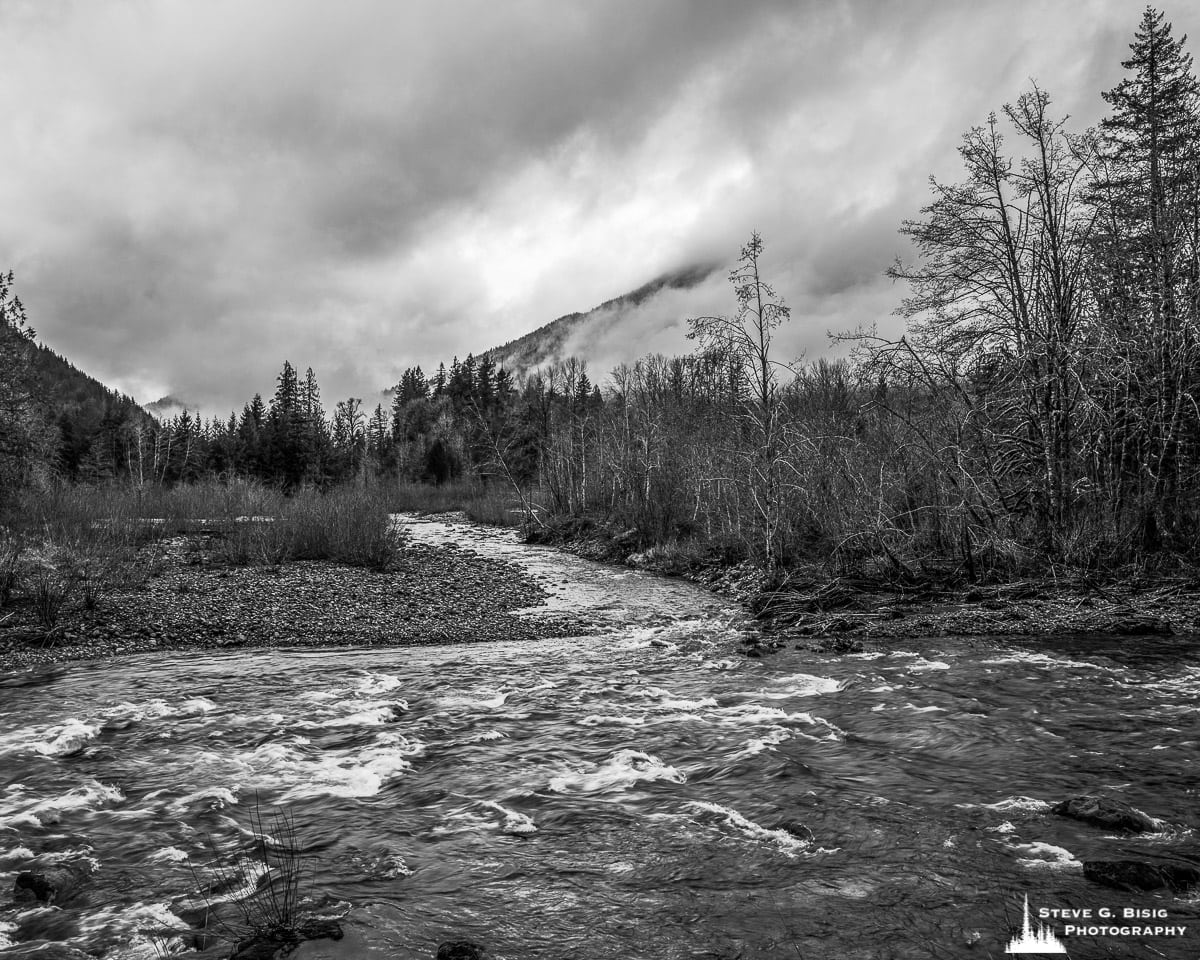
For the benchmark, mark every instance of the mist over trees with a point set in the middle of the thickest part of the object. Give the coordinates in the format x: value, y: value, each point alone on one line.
x: 1040, y: 406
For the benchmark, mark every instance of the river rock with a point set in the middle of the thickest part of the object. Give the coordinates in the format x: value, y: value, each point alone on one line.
x: 1137, y: 624
x: 461, y: 950
x: 52, y: 885
x: 1106, y: 812
x: 320, y: 928
x: 796, y: 829
x: 838, y: 645
x: 279, y: 943
x: 267, y: 948
x: 1138, y: 875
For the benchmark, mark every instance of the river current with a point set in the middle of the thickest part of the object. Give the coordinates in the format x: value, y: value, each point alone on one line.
x: 617, y: 795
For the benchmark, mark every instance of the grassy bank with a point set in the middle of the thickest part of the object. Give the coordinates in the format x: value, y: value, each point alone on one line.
x: 63, y: 548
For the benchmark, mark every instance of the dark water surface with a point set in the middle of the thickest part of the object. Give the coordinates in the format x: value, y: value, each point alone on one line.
x: 612, y: 796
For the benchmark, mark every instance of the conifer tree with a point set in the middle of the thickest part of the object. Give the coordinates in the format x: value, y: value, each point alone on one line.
x: 1146, y: 274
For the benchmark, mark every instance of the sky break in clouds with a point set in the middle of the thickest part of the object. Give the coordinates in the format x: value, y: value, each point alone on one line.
x: 194, y: 192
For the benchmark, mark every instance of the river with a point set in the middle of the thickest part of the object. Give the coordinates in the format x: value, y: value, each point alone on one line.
x: 618, y: 795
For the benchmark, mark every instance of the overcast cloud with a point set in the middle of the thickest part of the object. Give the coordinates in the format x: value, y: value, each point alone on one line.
x: 193, y: 192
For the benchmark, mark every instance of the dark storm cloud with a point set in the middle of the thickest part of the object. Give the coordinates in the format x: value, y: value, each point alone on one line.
x: 194, y: 192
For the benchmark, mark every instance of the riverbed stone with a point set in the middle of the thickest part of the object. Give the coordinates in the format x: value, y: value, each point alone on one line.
x: 1134, y: 624
x: 1139, y: 875
x: 1106, y: 812
x: 797, y: 829
x: 461, y: 950
x: 53, y: 885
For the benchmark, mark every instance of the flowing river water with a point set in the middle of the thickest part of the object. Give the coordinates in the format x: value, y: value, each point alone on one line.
x: 618, y: 795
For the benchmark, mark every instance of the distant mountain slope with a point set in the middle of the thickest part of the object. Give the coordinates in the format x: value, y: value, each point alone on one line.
x: 66, y: 387
x: 169, y: 406
x: 87, y: 414
x: 562, y: 337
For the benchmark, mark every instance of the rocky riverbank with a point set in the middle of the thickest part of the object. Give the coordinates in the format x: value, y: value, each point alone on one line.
x: 191, y: 600
x: 816, y: 608
x: 443, y: 594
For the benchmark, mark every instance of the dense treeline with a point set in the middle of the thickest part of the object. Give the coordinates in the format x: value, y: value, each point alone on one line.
x: 1041, y: 405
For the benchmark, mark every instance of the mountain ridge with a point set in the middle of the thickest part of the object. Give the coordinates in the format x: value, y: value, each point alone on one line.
x: 545, y: 343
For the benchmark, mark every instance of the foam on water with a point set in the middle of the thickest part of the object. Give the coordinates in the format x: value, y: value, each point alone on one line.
x: 294, y: 767
x: 73, y: 734
x: 487, y: 736
x: 1046, y: 856
x: 805, y: 684
x: 726, y: 664
x: 513, y: 822
x: 615, y: 720
x: 16, y: 855
x: 620, y: 771
x: 158, y: 708
x: 788, y: 843
x: 132, y: 920
x: 1041, y: 660
x: 478, y: 702
x: 360, y: 775
x: 15, y: 810
x: 372, y: 714
x: 1031, y: 804
x: 669, y: 701
x: 65, y: 740
x: 768, y: 741
x: 373, y: 684
x: 168, y: 855
x: 922, y: 665
x: 217, y: 797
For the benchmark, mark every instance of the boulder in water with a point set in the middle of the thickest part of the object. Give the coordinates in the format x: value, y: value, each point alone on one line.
x: 461, y: 950
x: 1139, y: 875
x: 320, y: 928
x: 796, y: 829
x: 52, y: 885
x: 1106, y: 812
x: 279, y: 943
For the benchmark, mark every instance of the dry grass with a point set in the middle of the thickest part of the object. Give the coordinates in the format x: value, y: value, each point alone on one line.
x: 64, y: 546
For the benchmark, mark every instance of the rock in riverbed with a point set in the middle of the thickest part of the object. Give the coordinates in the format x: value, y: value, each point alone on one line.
x: 52, y: 885
x: 278, y: 944
x: 1106, y: 812
x: 796, y: 829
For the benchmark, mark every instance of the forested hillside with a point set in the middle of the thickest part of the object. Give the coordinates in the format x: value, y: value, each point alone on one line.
x: 54, y: 418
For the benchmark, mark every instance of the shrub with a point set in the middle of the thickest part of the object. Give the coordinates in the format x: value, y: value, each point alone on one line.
x: 11, y: 547
x: 51, y: 587
x: 270, y: 872
x: 348, y: 525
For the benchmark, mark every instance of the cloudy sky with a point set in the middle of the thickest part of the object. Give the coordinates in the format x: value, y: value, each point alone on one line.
x: 192, y: 192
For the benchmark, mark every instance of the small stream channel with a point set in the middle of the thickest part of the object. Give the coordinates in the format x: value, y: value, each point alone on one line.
x: 618, y: 795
